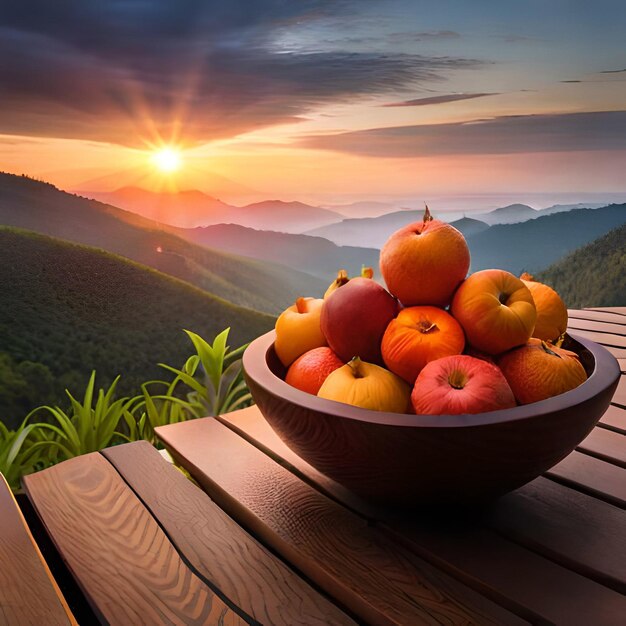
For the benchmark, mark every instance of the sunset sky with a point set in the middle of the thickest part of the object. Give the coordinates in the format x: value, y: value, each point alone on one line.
x: 321, y: 101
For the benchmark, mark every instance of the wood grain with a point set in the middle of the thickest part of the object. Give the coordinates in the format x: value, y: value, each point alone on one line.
x: 592, y: 476
x: 217, y: 548
x: 608, y: 340
x: 618, y: 310
x: 619, y: 397
x: 615, y: 419
x: 365, y: 570
x: 576, y: 530
x: 601, y: 316
x: 596, y: 326
x: 606, y: 445
x: 118, y: 554
x: 28, y: 592
x: 526, y: 582
x: 519, y: 577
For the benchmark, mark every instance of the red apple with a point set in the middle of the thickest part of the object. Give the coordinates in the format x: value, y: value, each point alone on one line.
x: 343, y: 279
x: 460, y: 384
x: 355, y: 317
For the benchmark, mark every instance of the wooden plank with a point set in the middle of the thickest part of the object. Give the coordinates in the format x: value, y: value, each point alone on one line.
x: 119, y: 555
x: 606, y: 339
x: 512, y: 575
x: 592, y: 476
x: 619, y: 397
x: 596, y: 326
x: 28, y: 592
x: 217, y: 548
x: 569, y: 527
x: 606, y: 445
x: 622, y: 365
x: 614, y: 418
x: 617, y: 352
x: 361, y: 567
x: 618, y: 310
x: 600, y: 316
x: 252, y: 426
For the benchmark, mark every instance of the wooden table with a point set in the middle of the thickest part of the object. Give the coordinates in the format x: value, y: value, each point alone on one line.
x: 553, y: 551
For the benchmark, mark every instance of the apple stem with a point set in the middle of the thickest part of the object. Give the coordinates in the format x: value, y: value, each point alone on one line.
x: 301, y: 305
x: 342, y: 278
x: 426, y: 326
x: 560, y: 340
x: 355, y: 366
x: 427, y: 216
x: 457, y: 379
x: 367, y: 272
x: 546, y: 348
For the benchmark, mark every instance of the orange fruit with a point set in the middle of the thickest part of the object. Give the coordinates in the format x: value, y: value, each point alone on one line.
x: 310, y: 370
x: 424, y: 262
x: 539, y: 370
x: 551, y: 310
x: 368, y: 386
x: 496, y: 311
x: 418, y: 335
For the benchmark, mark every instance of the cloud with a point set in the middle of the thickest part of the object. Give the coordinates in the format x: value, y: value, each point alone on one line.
x: 428, y: 35
x: 438, y: 99
x: 119, y: 71
x: 612, y: 71
x: 603, y: 130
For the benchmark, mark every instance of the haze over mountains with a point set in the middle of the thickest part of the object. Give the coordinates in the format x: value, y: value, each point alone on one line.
x: 373, y: 232
x: 314, y: 255
x: 192, y: 208
x: 535, y: 244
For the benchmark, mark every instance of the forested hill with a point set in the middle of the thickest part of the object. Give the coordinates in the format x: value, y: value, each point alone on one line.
x: 594, y: 275
x: 533, y: 245
x: 67, y: 309
x: 259, y: 285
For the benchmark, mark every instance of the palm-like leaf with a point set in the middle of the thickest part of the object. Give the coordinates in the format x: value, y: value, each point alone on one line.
x: 213, y: 376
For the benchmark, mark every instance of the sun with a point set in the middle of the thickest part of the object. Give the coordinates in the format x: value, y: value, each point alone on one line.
x: 167, y: 160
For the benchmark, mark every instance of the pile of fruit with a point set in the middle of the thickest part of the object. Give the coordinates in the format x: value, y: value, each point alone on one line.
x: 436, y: 342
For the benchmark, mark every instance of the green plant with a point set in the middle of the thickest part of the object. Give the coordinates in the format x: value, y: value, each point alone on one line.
x: 211, y: 382
x: 158, y: 410
x: 214, y: 375
x: 88, y: 427
x: 18, y: 456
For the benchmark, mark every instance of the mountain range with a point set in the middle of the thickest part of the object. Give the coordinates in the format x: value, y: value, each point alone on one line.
x: 313, y: 255
x: 535, y: 244
x: 192, y: 208
x: 372, y: 232
x: 41, y: 207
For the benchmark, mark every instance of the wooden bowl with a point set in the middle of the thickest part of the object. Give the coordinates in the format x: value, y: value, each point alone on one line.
x: 409, y: 460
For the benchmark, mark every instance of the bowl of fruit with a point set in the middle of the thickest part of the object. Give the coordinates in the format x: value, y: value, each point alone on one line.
x: 442, y: 387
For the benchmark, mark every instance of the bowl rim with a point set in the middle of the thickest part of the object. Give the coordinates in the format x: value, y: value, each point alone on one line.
x: 606, y: 371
